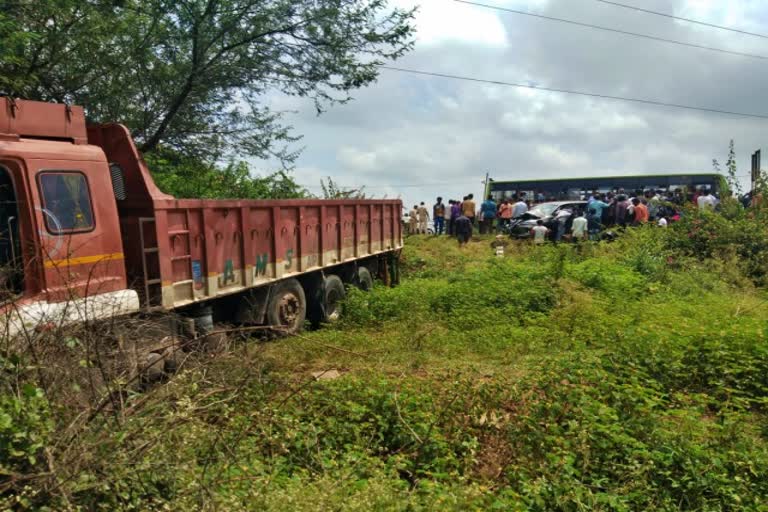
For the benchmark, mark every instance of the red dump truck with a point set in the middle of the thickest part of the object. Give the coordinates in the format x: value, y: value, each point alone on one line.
x: 86, y: 234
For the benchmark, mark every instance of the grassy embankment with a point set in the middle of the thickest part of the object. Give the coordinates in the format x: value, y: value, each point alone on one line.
x: 624, y: 376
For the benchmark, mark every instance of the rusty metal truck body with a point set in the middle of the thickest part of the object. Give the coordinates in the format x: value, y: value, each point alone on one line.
x: 86, y: 234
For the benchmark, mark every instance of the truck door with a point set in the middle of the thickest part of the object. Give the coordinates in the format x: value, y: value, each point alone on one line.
x: 11, y: 261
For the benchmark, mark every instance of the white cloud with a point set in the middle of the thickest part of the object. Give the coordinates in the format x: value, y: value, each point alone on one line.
x: 405, y: 133
x: 444, y: 21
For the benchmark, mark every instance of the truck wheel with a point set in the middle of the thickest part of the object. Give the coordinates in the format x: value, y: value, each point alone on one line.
x: 334, y: 294
x: 287, y: 307
x: 364, y: 279
x: 153, y: 370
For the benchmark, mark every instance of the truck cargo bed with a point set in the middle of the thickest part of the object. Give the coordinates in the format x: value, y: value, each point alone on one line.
x: 195, y: 250
x: 181, y: 251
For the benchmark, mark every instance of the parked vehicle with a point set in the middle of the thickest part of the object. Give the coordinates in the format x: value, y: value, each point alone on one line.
x: 568, y: 189
x: 521, y: 227
x: 86, y: 234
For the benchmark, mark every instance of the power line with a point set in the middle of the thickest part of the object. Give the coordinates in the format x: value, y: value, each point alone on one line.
x: 413, y: 185
x: 680, y: 18
x: 420, y: 185
x: 614, y: 30
x: 579, y: 93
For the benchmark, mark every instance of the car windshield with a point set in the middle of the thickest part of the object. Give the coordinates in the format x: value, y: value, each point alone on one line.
x: 543, y: 210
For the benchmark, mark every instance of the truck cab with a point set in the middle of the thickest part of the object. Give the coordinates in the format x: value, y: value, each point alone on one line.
x: 61, y: 255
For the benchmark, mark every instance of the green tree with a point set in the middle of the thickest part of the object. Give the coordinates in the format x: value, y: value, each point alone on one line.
x: 12, y: 40
x: 192, y: 75
x: 189, y: 177
x: 331, y: 190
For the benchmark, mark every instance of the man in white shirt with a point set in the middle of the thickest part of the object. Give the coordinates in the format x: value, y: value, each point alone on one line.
x: 539, y: 232
x: 579, y: 228
x: 560, y: 221
x: 519, y: 208
x: 707, y: 201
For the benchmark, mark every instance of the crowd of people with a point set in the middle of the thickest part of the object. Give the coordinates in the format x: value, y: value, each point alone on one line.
x: 584, y: 220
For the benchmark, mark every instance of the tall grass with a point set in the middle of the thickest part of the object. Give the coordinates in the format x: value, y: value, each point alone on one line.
x: 624, y: 376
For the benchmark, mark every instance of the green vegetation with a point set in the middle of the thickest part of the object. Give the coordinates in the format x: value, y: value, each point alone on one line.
x: 191, y: 78
x: 193, y: 74
x: 189, y: 177
x: 624, y: 376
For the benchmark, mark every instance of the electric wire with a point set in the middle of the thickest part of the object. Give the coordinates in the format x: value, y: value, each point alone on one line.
x: 681, y: 18
x: 579, y: 93
x: 614, y: 30
x: 412, y: 185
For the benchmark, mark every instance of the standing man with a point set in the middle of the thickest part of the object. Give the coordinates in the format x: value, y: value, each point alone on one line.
x: 413, y: 220
x: 620, y: 210
x: 505, y: 215
x: 423, y: 218
x: 468, y: 208
x: 454, y: 214
x: 438, y: 214
x: 598, y: 205
x: 561, y: 219
x: 579, y: 228
x: 488, y: 211
x: 641, y: 212
x: 519, y: 208
x: 654, y: 205
x: 706, y: 201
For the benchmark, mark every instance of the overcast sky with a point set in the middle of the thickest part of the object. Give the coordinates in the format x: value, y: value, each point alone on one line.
x: 418, y: 137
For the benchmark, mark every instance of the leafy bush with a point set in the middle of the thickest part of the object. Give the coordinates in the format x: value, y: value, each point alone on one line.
x: 707, y: 235
x: 622, y: 376
x: 503, y: 291
x: 25, y: 427
x: 609, y: 277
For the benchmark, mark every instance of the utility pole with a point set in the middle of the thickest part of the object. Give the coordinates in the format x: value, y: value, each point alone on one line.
x: 487, y: 183
x: 755, y: 170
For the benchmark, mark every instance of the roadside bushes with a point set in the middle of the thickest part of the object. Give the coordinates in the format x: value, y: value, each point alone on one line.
x: 707, y: 235
x: 410, y: 427
x: 611, y: 278
x: 501, y: 291
x: 592, y: 439
x: 624, y: 376
x: 25, y: 427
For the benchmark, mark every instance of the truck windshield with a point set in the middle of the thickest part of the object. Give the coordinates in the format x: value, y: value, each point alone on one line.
x: 67, y: 202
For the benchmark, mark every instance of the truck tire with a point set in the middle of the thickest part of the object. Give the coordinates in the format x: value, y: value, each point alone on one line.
x: 287, y: 307
x: 153, y: 369
x: 332, y: 298
x: 364, y: 279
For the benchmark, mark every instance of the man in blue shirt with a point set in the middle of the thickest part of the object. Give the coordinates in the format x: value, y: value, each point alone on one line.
x: 598, y: 206
x: 488, y: 211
